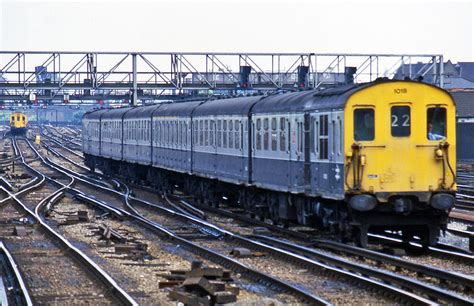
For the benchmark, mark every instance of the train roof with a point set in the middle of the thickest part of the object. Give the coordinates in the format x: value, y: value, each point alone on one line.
x: 301, y: 101
x: 96, y: 114
x: 144, y: 112
x: 333, y: 98
x: 232, y: 106
x: 116, y: 113
x: 181, y: 109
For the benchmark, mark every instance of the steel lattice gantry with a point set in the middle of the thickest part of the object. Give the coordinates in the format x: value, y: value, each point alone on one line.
x: 56, y: 77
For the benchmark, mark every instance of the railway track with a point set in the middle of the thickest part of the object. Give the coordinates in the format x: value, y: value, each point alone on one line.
x: 465, y: 194
x: 455, y: 254
x: 445, y: 296
x: 299, y: 238
x: 112, y: 205
x: 56, y: 271
x: 12, y: 286
x: 74, y: 144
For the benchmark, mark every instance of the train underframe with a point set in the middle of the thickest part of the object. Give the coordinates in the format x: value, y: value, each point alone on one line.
x: 18, y: 131
x: 422, y: 222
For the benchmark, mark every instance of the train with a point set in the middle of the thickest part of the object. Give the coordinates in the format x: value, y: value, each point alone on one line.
x: 350, y: 160
x: 18, y: 123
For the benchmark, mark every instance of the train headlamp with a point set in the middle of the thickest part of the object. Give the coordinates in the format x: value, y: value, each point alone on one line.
x: 442, y: 201
x: 439, y: 154
x: 363, y: 202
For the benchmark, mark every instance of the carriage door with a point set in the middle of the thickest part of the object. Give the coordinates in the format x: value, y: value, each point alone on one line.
x: 291, y: 150
x: 297, y: 158
x: 307, y: 152
x: 335, y: 153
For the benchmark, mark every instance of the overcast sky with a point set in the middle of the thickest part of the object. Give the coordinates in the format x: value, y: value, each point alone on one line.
x: 415, y: 26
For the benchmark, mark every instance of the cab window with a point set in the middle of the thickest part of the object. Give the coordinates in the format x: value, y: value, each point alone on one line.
x: 364, y: 124
x: 436, y: 123
x: 400, y: 121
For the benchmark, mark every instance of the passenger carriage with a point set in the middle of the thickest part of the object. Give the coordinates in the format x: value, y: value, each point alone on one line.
x: 372, y: 156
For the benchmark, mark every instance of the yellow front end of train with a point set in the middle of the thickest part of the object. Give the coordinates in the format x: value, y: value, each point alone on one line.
x: 18, y: 123
x: 400, y: 155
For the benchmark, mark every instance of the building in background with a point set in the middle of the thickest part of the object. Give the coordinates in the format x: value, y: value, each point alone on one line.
x: 456, y: 76
x: 459, y: 81
x: 465, y: 123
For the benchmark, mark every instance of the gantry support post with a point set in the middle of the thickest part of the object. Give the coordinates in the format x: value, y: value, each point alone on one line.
x: 134, y: 77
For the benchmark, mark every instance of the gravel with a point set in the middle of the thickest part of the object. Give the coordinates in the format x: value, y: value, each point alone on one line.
x: 140, y: 279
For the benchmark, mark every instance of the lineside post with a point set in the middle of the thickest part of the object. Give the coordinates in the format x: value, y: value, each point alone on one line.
x: 134, y: 76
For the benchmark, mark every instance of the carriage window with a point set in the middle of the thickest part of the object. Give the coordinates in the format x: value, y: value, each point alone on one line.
x: 341, y: 132
x: 165, y: 130
x: 211, y: 133
x: 274, y: 134
x: 195, y: 134
x: 363, y: 124
x: 323, y: 136
x: 231, y: 134
x: 159, y: 132
x: 400, y: 121
x: 185, y: 126
x: 224, y: 134
x: 334, y: 139
x: 436, y: 123
x: 258, y: 134
x: 168, y: 131
x: 171, y: 132
x: 201, y: 133
x: 237, y: 134
x: 282, y: 135
x: 219, y: 133
x: 300, y: 136
x: 147, y: 130
x: 176, y: 132
x: 266, y: 135
x: 206, y: 132
x: 313, y: 134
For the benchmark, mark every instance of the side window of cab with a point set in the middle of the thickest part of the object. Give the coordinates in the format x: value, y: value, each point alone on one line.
x: 436, y: 123
x: 364, y: 124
